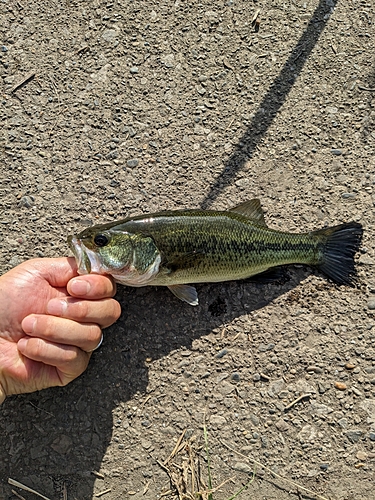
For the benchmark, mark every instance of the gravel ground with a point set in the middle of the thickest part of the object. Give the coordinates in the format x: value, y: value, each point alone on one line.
x: 123, y: 107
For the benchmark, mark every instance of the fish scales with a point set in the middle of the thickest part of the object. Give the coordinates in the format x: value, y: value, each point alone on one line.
x: 200, y: 247
x: 175, y: 248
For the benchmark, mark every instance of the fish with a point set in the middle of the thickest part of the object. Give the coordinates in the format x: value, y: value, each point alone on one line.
x: 183, y: 247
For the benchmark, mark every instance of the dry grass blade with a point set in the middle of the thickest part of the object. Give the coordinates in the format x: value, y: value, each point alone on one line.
x: 18, y: 495
x: 175, y: 449
x: 13, y: 482
x: 316, y: 495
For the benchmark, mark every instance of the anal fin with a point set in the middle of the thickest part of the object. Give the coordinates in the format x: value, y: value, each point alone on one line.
x: 186, y: 293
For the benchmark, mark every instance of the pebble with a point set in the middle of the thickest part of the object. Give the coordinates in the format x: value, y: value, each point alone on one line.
x: 4, y: 48
x: 372, y: 436
x: 336, y: 152
x: 324, y: 466
x: 282, y: 426
x: 242, y: 467
x: 314, y: 369
x: 221, y: 353
x: 254, y: 419
x: 348, y: 195
x: 354, y: 435
x: 263, y: 347
x: 218, y: 420
x: 132, y: 163
x: 134, y: 70
x: 371, y: 304
x: 349, y: 366
x: 109, y: 35
x: 343, y: 422
x: 341, y: 386
x: 361, y: 455
x: 26, y: 201
x: 256, y: 377
x: 235, y: 377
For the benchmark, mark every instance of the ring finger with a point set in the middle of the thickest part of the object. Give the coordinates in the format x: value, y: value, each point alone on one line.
x: 86, y: 336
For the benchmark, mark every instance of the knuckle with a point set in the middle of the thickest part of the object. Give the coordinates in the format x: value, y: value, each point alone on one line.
x: 94, y: 333
x: 80, y: 309
x: 37, y: 347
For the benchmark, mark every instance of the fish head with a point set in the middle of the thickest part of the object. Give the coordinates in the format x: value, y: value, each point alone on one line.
x: 101, y: 251
x: 130, y: 258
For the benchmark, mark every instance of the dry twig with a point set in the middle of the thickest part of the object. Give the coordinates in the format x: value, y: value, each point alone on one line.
x: 26, y: 79
x: 13, y: 482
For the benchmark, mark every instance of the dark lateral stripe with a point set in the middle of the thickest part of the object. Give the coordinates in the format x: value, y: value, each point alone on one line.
x: 239, y: 248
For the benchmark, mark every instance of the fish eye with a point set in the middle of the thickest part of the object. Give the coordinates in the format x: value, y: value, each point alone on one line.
x: 101, y: 240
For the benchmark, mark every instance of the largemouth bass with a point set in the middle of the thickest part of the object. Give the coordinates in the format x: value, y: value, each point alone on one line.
x: 175, y: 248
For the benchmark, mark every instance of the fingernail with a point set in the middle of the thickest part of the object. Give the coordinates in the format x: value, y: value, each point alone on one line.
x: 28, y: 324
x: 57, y: 307
x: 80, y: 287
x: 22, y: 343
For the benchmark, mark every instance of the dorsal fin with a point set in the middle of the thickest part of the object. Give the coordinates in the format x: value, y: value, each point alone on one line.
x: 251, y: 209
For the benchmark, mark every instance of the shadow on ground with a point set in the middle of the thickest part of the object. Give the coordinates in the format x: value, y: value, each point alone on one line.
x: 72, y: 427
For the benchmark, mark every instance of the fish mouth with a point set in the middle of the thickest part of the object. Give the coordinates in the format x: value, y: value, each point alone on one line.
x: 82, y: 259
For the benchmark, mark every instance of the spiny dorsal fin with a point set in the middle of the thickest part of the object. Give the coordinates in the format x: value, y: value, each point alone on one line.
x: 251, y: 209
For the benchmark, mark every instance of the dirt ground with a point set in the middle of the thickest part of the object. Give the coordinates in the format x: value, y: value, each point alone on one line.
x: 136, y: 106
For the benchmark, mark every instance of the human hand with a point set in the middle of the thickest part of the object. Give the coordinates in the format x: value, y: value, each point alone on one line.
x: 50, y: 321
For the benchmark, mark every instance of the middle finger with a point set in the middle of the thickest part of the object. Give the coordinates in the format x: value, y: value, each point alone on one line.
x: 104, y: 312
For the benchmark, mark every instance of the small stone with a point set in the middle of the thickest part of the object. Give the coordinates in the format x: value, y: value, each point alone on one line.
x: 26, y: 201
x: 354, y: 435
x: 217, y: 420
x: 109, y: 35
x: 348, y: 195
x: 263, y: 347
x: 254, y: 419
x: 319, y: 409
x: 4, y: 48
x: 336, y: 152
x: 168, y: 60
x: 235, y: 377
x: 134, y: 70
x: 256, y: 377
x: 226, y: 388
x: 314, y: 369
x: 62, y: 444
x: 132, y: 163
x: 341, y: 386
x: 361, y: 455
x: 372, y: 436
x: 371, y: 304
x: 343, y: 422
x: 221, y: 353
x: 324, y: 466
x: 242, y: 467
x: 349, y: 366
x: 282, y: 426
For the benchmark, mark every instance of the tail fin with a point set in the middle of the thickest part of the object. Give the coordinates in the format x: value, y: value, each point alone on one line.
x: 339, y: 245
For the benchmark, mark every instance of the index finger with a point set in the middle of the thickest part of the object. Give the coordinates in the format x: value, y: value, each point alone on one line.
x: 92, y: 286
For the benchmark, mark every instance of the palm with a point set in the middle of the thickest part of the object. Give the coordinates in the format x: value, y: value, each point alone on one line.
x: 25, y: 290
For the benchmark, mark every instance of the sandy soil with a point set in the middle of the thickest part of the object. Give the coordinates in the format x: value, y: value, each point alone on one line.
x: 136, y: 106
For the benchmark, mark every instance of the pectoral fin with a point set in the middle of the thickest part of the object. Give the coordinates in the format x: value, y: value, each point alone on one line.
x: 186, y: 293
